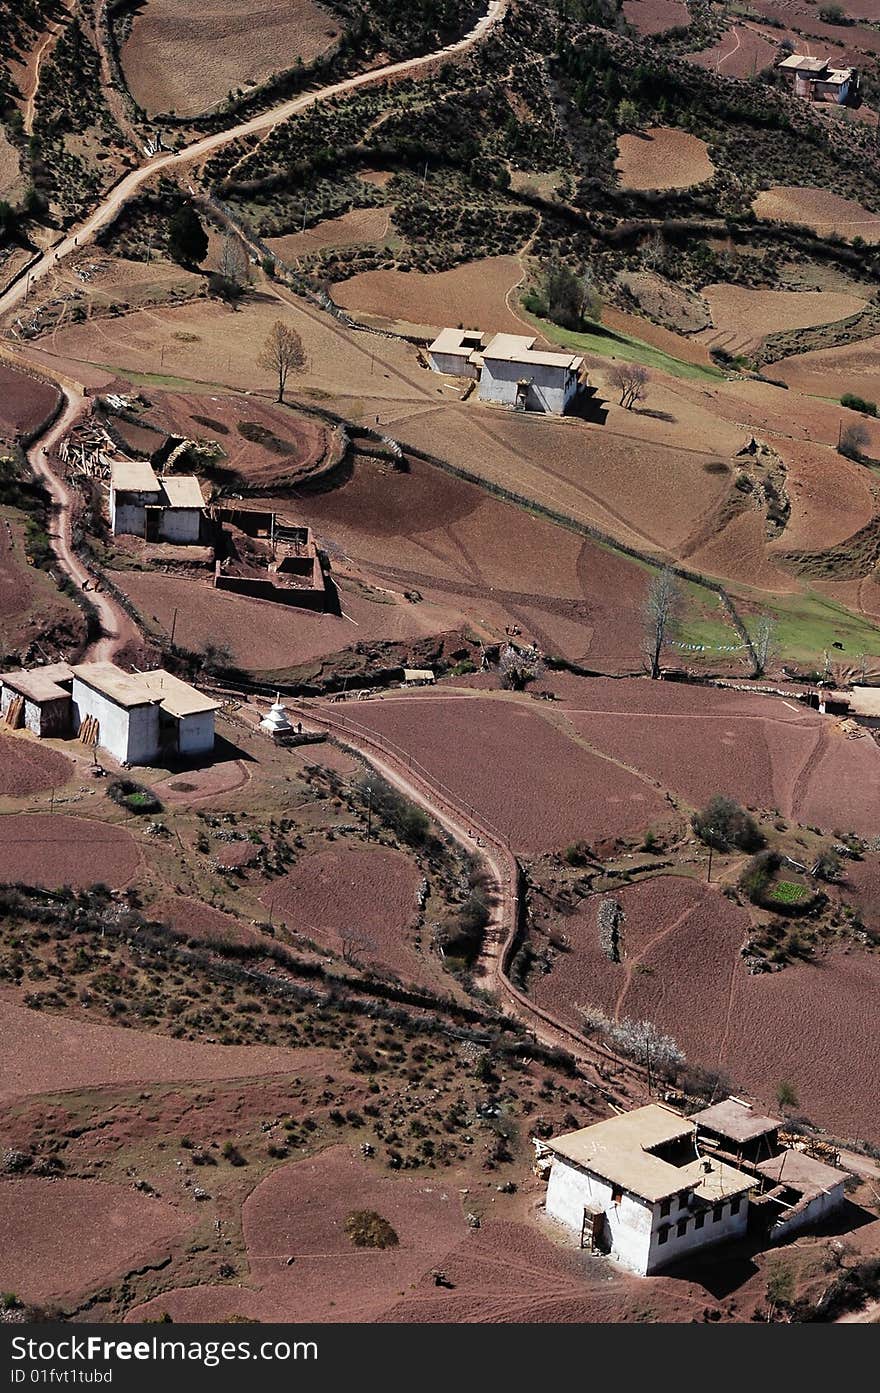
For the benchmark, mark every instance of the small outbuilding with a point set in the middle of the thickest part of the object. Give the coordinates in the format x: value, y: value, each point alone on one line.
x: 38, y: 699
x: 799, y: 1191
x: 166, y: 508
x: 734, y: 1125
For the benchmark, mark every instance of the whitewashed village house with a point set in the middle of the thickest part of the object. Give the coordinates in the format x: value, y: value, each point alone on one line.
x: 635, y: 1188
x: 649, y: 1187
x: 159, y: 509
x: 510, y: 370
x: 138, y: 718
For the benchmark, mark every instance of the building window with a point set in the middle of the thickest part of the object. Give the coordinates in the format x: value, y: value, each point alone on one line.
x: 616, y: 1195
x: 683, y: 1201
x: 663, y: 1234
x: 699, y: 1219
x: 682, y: 1227
x: 717, y: 1213
x: 735, y: 1204
x: 665, y: 1207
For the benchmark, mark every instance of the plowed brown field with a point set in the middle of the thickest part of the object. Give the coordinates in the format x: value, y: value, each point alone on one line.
x: 39, y: 849
x: 741, y: 316
x: 361, y: 225
x: 662, y: 158
x: 809, y: 1024
x: 24, y: 401
x: 186, y: 58
x: 363, y: 897
x: 831, y: 372
x: 61, y: 1237
x: 473, y: 294
x: 516, y: 769
x: 740, y: 52
x: 824, y: 212
x: 656, y: 16
x: 26, y: 767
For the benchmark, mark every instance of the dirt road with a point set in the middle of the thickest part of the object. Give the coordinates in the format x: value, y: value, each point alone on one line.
x: 129, y: 185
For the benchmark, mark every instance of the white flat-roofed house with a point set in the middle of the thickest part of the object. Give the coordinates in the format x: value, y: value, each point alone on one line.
x: 166, y: 509
x: 635, y: 1187
x: 457, y: 352
x: 141, y: 718
x: 516, y: 374
x: 511, y: 371
x: 816, y: 79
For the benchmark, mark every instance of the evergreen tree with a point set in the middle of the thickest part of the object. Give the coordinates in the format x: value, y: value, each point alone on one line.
x: 187, y: 239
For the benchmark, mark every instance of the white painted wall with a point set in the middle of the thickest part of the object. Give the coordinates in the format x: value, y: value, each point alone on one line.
x: 196, y: 733
x: 550, y: 390
x: 813, y: 1213
x: 130, y: 735
x: 180, y: 525
x: 453, y: 365
x: 571, y: 1191
x: 128, y: 512
x: 634, y: 1224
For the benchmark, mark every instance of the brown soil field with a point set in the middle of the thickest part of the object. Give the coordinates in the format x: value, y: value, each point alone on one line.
x: 267, y: 637
x: 853, y: 41
x: 681, y: 309
x: 742, y: 316
x: 809, y: 1024
x: 472, y: 294
x: 763, y: 751
x: 831, y: 497
x: 639, y: 478
x: 193, y: 919
x: 45, y: 1053
x: 739, y: 52
x: 61, y: 1237
x: 39, y: 849
x: 656, y: 16
x: 366, y: 893
x: 24, y: 401
x: 766, y: 409
x: 831, y: 372
x: 497, y: 564
x: 622, y: 322
x: 300, y: 1210
x: 361, y: 225
x: 503, y: 1272
x: 738, y: 552
x: 662, y: 158
x: 268, y: 446
x: 520, y: 773
x: 824, y: 212
x: 27, y: 767
x: 186, y: 60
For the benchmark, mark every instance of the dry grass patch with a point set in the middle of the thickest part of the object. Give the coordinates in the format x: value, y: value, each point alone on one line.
x: 826, y: 213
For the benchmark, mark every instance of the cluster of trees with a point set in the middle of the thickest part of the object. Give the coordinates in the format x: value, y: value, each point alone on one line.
x: 723, y: 824
x: 564, y: 297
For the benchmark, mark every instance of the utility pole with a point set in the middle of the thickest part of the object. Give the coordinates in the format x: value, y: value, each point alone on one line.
x: 709, y: 872
x: 369, y: 810
x: 173, y: 625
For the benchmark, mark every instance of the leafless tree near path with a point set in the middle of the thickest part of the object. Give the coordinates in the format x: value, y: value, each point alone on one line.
x: 661, y: 612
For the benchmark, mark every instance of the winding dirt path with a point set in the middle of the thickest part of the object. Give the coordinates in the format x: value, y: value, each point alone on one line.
x: 107, y: 210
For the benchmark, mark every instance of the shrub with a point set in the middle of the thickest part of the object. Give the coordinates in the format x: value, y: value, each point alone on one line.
x: 232, y: 1154
x: 367, y: 1229
x: 867, y: 408
x: 758, y: 875
x: 135, y: 797
x: 724, y: 824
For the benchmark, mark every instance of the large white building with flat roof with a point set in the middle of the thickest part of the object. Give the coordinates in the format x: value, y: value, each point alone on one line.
x: 510, y: 370
x: 141, y: 717
x: 637, y: 1188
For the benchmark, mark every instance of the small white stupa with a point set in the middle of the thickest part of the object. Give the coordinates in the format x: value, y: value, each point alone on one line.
x: 276, y: 722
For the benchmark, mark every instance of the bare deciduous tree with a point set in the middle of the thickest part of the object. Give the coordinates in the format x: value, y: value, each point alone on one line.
x: 853, y: 440
x: 355, y: 945
x: 764, y: 643
x: 631, y: 381
x: 653, y: 251
x: 661, y: 613
x: 282, y: 354
x: 234, y: 265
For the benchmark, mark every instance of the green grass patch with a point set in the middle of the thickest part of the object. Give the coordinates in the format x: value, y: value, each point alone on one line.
x: 606, y: 343
x: 809, y: 624
x: 788, y: 892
